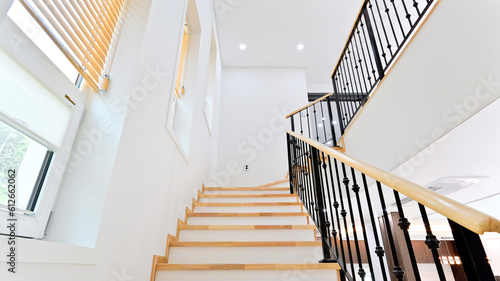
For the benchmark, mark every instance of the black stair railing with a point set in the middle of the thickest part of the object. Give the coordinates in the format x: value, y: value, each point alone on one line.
x: 318, y: 121
x: 364, y: 226
x: 381, y: 30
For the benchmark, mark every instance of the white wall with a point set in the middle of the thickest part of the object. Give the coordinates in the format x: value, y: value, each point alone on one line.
x: 135, y: 177
x: 254, y: 104
x: 78, y: 210
x: 319, y: 87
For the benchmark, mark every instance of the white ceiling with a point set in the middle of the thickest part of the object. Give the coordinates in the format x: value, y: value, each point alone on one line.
x: 272, y: 29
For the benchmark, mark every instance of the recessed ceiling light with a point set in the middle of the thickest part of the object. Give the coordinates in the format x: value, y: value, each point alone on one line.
x: 243, y: 47
x: 300, y: 47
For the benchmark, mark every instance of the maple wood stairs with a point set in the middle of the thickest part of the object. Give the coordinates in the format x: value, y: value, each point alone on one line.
x: 244, y: 233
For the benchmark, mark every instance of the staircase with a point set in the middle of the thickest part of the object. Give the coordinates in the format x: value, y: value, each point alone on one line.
x: 246, y: 234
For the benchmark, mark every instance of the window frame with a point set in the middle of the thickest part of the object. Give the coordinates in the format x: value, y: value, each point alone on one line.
x: 34, y: 224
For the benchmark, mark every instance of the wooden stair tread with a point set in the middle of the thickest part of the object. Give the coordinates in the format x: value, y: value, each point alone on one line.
x: 262, y: 214
x: 270, y: 266
x: 245, y: 227
x: 246, y: 188
x: 249, y: 204
x: 245, y: 244
x: 244, y: 195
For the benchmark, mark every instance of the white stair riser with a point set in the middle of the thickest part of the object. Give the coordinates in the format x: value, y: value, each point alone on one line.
x: 247, y: 220
x: 247, y: 275
x: 244, y: 255
x: 247, y: 192
x: 248, y: 209
x: 247, y: 199
x: 248, y: 235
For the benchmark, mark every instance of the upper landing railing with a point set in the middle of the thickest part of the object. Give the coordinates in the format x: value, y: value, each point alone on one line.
x: 380, y: 32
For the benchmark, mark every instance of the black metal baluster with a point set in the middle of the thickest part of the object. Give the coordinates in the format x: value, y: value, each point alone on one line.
x: 301, y: 129
x: 351, y: 68
x: 360, y: 62
x: 336, y: 206
x: 339, y: 109
x: 373, y: 20
x: 472, y: 254
x: 405, y: 225
x: 298, y: 169
x: 432, y: 242
x: 348, y: 86
x: 330, y: 205
x: 323, y: 121
x: 355, y: 189
x: 307, y: 183
x: 352, y: 78
x: 387, y: 11
x: 319, y: 201
x: 415, y: 5
x: 389, y: 46
x: 373, y: 44
x: 330, y: 116
x: 408, y: 15
x: 379, y: 251
x: 363, y: 52
x: 342, y: 97
x: 398, y: 271
x: 361, y: 271
x: 326, y: 206
x: 308, y: 123
x: 308, y: 163
x: 315, y: 122
x: 343, y: 212
x: 397, y: 17
x: 290, y: 169
x: 373, y: 72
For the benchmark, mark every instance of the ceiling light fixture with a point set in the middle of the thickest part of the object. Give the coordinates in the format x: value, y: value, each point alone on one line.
x: 243, y: 47
x: 300, y: 47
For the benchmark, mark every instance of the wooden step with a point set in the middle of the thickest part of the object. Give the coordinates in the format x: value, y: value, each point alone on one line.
x: 249, y: 204
x: 244, y: 227
x: 245, y: 244
x: 247, y: 275
x: 287, y: 214
x: 275, y: 266
x: 280, y: 199
x: 246, y: 188
x: 245, y: 195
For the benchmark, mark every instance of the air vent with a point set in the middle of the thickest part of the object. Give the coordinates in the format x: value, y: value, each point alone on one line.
x: 448, y: 185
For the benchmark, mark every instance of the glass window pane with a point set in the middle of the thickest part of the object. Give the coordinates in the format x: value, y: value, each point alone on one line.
x: 26, y: 156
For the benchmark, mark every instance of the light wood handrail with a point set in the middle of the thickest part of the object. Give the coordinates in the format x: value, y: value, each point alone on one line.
x: 304, y: 107
x: 466, y: 216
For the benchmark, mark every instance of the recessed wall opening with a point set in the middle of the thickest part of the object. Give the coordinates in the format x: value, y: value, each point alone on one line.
x: 180, y: 116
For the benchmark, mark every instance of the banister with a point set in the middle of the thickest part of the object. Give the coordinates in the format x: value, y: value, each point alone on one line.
x: 466, y: 216
x: 306, y: 106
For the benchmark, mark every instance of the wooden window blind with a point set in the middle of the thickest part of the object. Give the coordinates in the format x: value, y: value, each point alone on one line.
x: 183, y: 57
x: 84, y: 30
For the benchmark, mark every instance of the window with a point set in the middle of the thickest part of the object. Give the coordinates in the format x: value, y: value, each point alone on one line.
x: 184, y: 85
x: 28, y: 25
x: 29, y: 159
x: 84, y: 31
x: 183, y: 58
x: 37, y: 128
